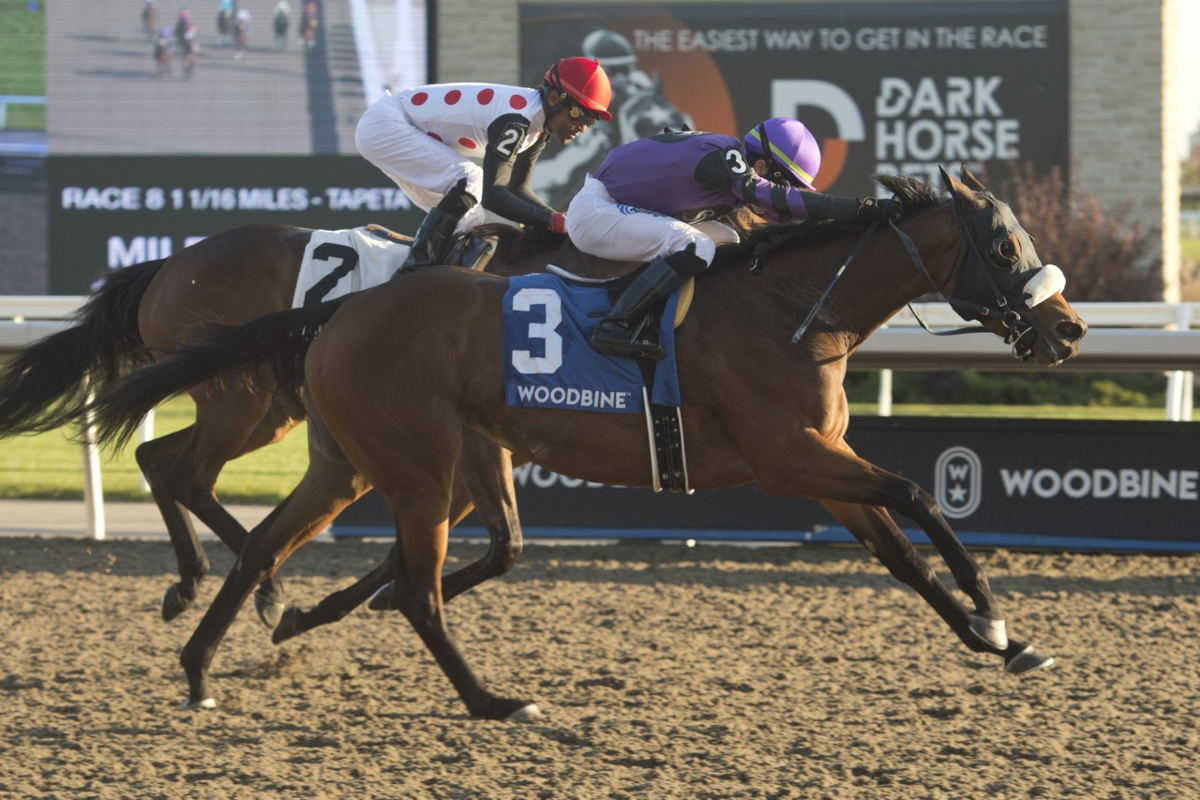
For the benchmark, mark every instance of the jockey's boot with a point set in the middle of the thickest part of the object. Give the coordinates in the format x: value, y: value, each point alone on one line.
x: 433, y: 238
x: 624, y: 331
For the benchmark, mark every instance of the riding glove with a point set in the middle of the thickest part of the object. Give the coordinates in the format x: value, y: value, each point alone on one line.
x: 873, y: 210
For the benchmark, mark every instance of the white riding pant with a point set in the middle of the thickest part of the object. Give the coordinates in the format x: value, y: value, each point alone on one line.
x: 423, y: 168
x: 600, y: 226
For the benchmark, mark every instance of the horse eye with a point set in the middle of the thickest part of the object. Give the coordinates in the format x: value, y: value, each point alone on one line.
x: 1005, y: 251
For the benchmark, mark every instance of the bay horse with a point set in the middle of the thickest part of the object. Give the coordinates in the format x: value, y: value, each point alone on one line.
x: 404, y: 375
x: 147, y: 310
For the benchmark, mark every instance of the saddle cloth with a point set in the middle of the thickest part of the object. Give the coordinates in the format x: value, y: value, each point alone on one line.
x: 340, y: 262
x: 548, y: 362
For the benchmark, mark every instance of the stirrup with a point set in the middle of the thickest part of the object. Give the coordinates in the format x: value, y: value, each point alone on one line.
x: 629, y: 343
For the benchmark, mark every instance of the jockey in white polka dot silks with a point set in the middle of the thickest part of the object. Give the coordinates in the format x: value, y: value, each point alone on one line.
x: 428, y: 139
x: 657, y: 200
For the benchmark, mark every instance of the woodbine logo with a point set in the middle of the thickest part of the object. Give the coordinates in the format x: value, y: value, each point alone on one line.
x: 1102, y: 483
x: 570, y: 396
x: 958, y: 481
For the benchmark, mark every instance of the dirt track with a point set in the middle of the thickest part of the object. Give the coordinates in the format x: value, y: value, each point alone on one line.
x: 664, y: 673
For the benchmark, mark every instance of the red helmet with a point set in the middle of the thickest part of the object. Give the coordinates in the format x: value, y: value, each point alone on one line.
x: 584, y: 81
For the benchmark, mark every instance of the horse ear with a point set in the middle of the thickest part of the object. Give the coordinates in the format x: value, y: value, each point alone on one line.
x: 961, y: 193
x: 970, y: 180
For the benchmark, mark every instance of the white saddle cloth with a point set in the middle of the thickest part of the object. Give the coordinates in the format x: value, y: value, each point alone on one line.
x: 350, y: 259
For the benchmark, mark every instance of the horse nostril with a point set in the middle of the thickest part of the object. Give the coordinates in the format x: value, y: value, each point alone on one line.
x: 1070, y: 331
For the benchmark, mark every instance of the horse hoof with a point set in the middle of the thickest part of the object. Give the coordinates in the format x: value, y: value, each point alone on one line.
x: 382, y: 599
x: 174, y: 603
x: 526, y: 713
x: 269, y: 611
x: 991, y: 631
x: 1027, y: 660
x: 289, y: 625
x: 198, y: 705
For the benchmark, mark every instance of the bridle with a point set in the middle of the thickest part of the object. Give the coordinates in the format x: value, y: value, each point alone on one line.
x: 1003, y: 253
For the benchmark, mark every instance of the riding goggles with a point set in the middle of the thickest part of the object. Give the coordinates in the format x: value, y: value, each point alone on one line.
x: 576, y: 111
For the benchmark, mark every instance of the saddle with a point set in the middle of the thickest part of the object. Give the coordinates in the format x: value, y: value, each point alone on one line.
x: 664, y: 424
x: 575, y: 265
x: 471, y: 250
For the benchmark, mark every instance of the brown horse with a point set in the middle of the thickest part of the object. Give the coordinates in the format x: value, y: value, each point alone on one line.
x: 150, y: 309
x: 403, y: 375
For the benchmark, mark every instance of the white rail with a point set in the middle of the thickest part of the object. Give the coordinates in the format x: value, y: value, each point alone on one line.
x: 17, y: 99
x: 1133, y: 337
x: 1189, y: 224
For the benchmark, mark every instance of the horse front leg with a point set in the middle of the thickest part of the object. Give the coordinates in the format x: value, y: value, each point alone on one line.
x: 883, y: 538
x: 828, y: 469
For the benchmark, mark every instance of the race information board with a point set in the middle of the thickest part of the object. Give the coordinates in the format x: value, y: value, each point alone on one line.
x: 886, y: 87
x: 108, y: 212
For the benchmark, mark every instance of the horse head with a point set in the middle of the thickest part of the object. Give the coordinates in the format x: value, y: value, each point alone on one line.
x: 1001, y: 282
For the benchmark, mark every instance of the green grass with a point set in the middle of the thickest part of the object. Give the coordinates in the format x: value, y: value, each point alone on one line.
x: 22, y: 60
x: 1190, y: 249
x: 51, y: 465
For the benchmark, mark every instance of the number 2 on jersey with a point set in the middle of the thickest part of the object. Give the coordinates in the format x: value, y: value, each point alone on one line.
x: 508, y: 140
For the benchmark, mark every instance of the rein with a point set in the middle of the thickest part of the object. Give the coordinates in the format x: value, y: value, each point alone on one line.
x: 812, y: 312
x: 1015, y: 327
x: 915, y: 256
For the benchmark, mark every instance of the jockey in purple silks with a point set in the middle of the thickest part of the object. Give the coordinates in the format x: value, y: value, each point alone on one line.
x: 657, y: 200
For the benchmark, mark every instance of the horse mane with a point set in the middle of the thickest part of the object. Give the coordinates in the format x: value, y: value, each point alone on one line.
x: 915, y: 195
x: 520, y: 243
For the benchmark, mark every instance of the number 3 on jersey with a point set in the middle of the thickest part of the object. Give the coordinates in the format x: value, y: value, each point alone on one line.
x: 736, y: 162
x: 523, y: 360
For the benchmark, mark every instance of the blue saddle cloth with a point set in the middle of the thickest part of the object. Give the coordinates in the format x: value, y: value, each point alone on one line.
x: 548, y: 362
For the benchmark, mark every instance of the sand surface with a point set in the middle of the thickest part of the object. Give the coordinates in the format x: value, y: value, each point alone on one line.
x: 664, y: 672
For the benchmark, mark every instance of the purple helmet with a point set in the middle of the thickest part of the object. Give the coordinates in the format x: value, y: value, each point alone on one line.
x: 792, y: 153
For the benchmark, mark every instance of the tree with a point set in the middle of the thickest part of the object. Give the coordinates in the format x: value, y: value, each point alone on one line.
x: 1103, y: 255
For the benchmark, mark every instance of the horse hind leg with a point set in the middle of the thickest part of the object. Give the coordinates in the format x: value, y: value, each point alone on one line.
x: 228, y: 426
x: 337, y: 605
x: 422, y: 533
x: 485, y: 473
x: 497, y: 505
x: 328, y: 486
x: 155, y: 458
x: 483, y: 481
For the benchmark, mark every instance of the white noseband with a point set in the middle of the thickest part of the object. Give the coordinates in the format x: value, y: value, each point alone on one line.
x: 1044, y: 284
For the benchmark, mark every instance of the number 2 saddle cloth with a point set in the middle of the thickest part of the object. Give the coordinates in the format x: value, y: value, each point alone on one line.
x: 339, y: 262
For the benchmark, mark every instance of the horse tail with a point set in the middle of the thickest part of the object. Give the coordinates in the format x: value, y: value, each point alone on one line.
x: 274, y: 344
x: 47, y: 384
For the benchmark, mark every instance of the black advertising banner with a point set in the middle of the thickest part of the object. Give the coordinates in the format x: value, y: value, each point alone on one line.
x: 108, y: 212
x: 886, y: 87
x: 1000, y: 482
